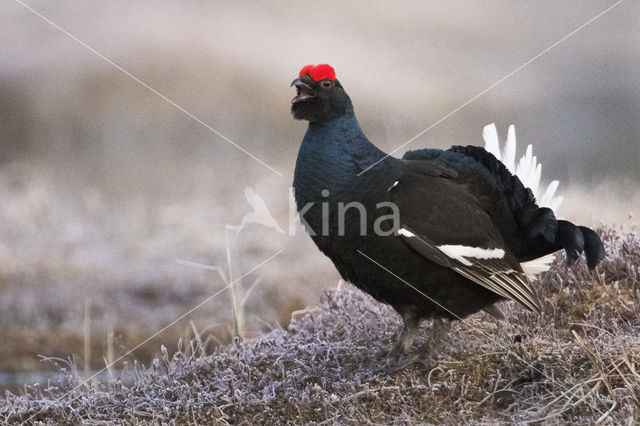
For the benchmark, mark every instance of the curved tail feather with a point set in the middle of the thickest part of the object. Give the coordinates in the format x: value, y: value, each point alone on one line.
x: 545, y: 233
x: 542, y: 233
x: 593, y: 248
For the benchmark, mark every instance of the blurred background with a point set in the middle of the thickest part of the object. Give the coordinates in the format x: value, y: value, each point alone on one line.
x: 104, y: 184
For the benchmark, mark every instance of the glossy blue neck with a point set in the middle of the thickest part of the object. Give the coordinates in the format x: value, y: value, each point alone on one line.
x: 341, y: 140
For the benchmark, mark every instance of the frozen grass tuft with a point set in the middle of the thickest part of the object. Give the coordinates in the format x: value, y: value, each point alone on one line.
x: 576, y: 362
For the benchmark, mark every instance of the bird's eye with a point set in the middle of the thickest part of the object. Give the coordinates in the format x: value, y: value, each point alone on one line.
x: 326, y: 83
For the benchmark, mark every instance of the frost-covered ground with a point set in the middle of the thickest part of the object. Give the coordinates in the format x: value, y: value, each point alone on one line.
x: 103, y: 184
x: 576, y: 362
x: 78, y: 263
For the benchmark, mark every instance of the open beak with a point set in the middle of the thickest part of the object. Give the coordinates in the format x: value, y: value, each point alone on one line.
x: 303, y: 91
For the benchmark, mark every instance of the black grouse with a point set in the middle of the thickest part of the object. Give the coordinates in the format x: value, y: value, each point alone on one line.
x: 436, y: 234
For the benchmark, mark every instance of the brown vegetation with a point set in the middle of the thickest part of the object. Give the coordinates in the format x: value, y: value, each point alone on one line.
x: 576, y: 362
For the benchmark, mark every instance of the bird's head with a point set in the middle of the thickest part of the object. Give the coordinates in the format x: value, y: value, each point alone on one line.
x: 319, y: 95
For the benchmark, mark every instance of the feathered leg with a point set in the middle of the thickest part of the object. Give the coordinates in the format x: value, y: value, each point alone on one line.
x: 426, y: 353
x: 439, y: 331
x: 410, y: 330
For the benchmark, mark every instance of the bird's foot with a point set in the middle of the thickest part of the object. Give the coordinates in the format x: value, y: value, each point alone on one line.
x: 426, y: 358
x: 398, y: 350
x: 428, y: 351
x: 399, y: 363
x: 410, y: 329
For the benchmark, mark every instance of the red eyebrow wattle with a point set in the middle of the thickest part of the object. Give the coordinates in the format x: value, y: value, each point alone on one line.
x: 319, y: 72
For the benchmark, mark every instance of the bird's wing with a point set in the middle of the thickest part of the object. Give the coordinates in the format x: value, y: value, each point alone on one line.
x: 446, y: 223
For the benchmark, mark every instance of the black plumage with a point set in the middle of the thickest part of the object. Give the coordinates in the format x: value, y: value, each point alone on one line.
x: 464, y: 224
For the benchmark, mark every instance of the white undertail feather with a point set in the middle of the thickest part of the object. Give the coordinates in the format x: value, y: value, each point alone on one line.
x: 509, y: 151
x: 537, y: 266
x: 491, y: 143
x: 529, y: 171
